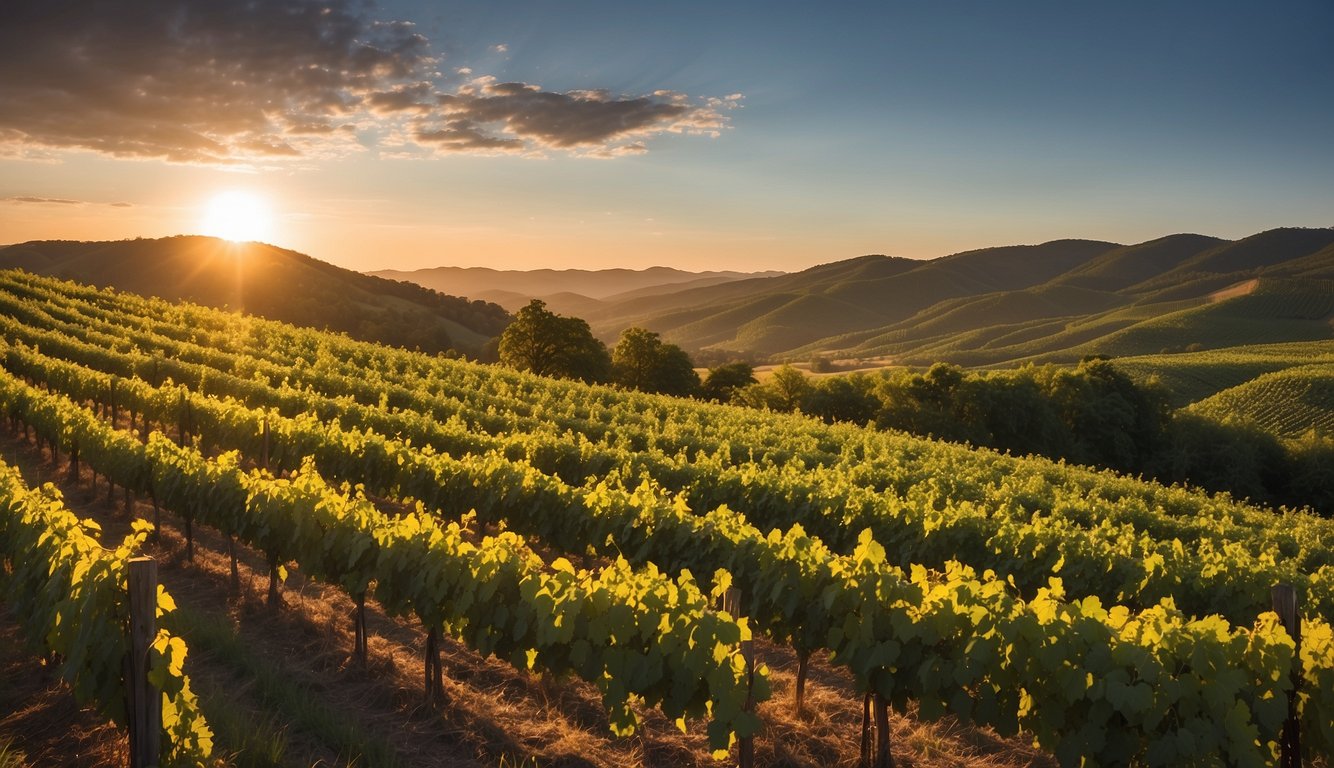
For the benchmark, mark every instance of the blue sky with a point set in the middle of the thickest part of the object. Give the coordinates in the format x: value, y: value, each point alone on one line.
x: 914, y: 129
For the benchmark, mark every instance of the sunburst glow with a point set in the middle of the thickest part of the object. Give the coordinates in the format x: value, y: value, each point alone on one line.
x: 237, y: 216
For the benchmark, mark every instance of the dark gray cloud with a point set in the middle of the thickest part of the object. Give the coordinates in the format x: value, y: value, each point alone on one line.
x: 484, y: 115
x: 258, y: 81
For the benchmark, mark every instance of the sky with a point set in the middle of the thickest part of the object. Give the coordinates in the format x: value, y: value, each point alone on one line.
x: 700, y: 135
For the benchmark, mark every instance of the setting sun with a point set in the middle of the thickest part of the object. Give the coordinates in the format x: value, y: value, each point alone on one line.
x: 237, y: 216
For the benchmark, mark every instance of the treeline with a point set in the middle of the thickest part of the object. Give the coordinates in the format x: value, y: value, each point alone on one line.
x: 1090, y: 414
x: 540, y: 341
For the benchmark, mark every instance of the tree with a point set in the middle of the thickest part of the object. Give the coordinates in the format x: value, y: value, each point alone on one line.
x: 786, y: 390
x: 642, y: 361
x: 548, y: 344
x: 843, y: 398
x: 724, y: 381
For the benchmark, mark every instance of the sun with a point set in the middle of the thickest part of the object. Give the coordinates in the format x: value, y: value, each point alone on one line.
x: 237, y: 216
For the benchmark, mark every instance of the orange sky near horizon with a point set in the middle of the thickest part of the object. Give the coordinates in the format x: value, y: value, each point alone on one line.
x: 396, y: 232
x: 400, y: 134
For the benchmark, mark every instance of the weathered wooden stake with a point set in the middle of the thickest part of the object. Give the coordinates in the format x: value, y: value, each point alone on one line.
x: 359, y: 620
x: 882, y: 756
x: 435, y: 672
x: 275, y: 599
x: 866, y: 731
x: 145, y: 702
x: 1284, y: 599
x: 746, y: 744
x: 189, y: 538
x: 803, y: 666
x: 265, y: 453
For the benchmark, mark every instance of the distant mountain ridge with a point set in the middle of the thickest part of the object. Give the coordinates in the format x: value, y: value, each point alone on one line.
x: 271, y: 282
x: 569, y: 291
x: 997, y: 306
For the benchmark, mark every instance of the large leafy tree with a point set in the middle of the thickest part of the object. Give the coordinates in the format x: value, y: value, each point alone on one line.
x: 643, y: 361
x: 726, y: 380
x: 540, y: 341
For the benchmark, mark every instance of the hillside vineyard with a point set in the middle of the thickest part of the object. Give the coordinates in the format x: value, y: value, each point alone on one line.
x: 1114, y: 620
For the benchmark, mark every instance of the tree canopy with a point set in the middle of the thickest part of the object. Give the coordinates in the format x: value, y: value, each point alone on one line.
x: 725, y: 380
x: 540, y: 341
x: 643, y: 361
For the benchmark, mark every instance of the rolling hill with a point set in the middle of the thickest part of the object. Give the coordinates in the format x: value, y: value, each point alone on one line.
x: 1057, y: 301
x: 1287, y: 403
x: 270, y: 282
x: 568, y: 291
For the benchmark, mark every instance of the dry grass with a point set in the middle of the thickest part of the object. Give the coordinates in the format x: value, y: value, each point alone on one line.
x: 494, y: 714
x: 41, y: 721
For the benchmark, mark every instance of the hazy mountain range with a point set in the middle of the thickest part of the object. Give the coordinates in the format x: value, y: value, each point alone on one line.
x: 1058, y: 300
x: 567, y: 291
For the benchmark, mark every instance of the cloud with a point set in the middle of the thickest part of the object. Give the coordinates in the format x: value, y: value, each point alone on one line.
x: 58, y: 201
x: 271, y: 81
x: 484, y: 114
x: 500, y: 48
x: 43, y: 200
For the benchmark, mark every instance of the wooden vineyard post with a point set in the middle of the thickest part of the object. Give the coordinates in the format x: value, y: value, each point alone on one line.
x: 866, y: 731
x: 746, y: 744
x: 275, y: 599
x: 875, y: 752
x: 1284, y: 599
x: 882, y: 757
x: 435, y: 672
x: 265, y: 454
x: 144, y: 701
x: 359, y: 620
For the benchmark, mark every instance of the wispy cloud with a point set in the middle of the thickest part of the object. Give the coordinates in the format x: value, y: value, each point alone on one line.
x: 43, y: 200
x: 198, y: 81
x: 27, y: 200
